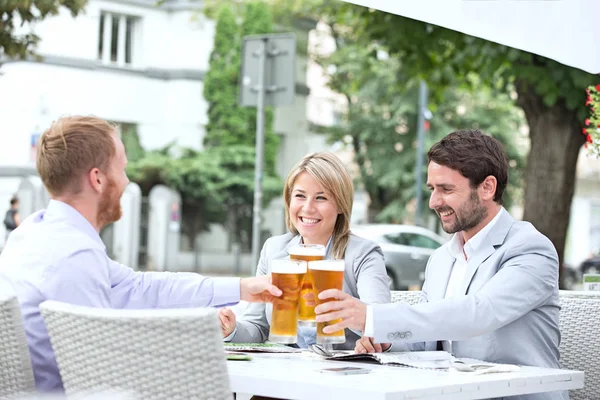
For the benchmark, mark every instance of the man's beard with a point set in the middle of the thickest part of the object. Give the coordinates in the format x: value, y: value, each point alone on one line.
x: 468, y: 216
x: 109, y: 209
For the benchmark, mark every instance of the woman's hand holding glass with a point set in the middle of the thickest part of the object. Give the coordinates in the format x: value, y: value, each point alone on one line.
x: 227, y: 320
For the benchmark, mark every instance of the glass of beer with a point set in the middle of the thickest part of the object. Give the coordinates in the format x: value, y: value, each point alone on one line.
x: 327, y: 274
x: 306, y: 310
x: 287, y: 275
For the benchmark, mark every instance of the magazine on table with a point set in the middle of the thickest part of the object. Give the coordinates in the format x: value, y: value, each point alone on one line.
x: 438, y: 360
x: 416, y: 359
x: 260, y: 348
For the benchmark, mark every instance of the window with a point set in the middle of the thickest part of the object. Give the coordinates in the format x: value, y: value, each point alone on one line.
x: 417, y: 240
x: 413, y: 239
x: 116, y: 38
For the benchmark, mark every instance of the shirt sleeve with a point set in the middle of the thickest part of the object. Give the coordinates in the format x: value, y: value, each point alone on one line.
x: 369, y: 322
x: 134, y: 289
x: 79, y: 279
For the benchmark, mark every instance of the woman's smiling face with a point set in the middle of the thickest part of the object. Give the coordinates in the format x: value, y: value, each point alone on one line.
x: 313, y: 210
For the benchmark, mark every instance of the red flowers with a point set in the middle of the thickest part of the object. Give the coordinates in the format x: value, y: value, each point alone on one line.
x: 591, y: 128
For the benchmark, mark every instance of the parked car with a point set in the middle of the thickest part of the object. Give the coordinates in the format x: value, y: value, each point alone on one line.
x: 406, y: 249
x: 590, y: 266
x: 572, y: 277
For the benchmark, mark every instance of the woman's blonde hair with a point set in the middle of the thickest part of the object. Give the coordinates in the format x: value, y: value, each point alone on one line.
x: 330, y: 173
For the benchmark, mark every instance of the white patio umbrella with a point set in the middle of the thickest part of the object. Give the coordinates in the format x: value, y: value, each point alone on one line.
x: 563, y: 30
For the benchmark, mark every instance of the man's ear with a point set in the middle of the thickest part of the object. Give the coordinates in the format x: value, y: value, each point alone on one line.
x: 488, y: 188
x: 96, y: 179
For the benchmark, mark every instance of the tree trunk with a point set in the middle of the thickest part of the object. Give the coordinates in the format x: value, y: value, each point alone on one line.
x: 556, y: 139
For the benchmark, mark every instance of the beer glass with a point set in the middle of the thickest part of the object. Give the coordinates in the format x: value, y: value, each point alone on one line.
x: 287, y: 275
x: 307, y: 252
x: 327, y: 274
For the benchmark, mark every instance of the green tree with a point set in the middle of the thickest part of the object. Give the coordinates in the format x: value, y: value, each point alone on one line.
x: 231, y: 129
x: 196, y: 176
x: 22, y: 44
x: 551, y: 95
x: 237, y: 189
x: 225, y: 122
x: 131, y: 141
x: 380, y: 125
x: 228, y: 123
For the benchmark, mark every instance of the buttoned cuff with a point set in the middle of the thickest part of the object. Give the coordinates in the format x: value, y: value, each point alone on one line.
x: 226, y: 291
x: 369, y: 322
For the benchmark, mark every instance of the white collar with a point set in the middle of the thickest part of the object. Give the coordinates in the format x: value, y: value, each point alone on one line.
x: 457, y: 244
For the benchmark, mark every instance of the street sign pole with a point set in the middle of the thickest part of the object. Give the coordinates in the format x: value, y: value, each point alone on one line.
x: 261, y: 54
x: 267, y: 79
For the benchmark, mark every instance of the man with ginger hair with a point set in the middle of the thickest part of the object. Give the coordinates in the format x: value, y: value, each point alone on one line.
x: 57, y: 253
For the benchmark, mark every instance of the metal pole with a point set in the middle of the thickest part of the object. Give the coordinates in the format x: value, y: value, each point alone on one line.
x: 420, y: 151
x: 261, y: 53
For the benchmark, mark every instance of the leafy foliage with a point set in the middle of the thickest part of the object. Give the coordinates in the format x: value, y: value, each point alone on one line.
x: 551, y: 95
x: 230, y: 124
x: 197, y: 178
x: 15, y: 43
x: 230, y: 137
x: 131, y: 141
x: 445, y: 57
x: 592, y: 124
x: 381, y: 120
x: 216, y: 186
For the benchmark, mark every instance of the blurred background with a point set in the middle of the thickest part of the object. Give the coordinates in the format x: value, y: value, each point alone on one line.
x: 168, y: 72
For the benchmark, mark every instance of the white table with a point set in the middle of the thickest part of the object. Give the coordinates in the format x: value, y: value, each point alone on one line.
x: 295, y: 376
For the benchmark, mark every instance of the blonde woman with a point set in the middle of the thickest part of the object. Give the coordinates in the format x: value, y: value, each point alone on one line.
x: 318, y: 195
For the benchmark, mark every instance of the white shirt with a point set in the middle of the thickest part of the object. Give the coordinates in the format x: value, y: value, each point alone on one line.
x: 462, y: 252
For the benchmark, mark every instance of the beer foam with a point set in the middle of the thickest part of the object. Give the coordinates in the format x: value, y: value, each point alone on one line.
x: 327, y: 265
x: 288, y: 266
x: 316, y: 250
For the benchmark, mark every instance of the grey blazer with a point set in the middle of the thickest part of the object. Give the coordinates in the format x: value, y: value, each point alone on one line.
x: 365, y: 277
x: 510, y: 311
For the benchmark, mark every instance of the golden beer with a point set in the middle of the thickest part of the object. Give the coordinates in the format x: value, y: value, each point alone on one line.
x: 287, y: 275
x: 307, y: 252
x: 327, y: 274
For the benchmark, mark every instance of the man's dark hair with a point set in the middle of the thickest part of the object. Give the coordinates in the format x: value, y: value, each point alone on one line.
x: 14, y: 201
x: 475, y: 155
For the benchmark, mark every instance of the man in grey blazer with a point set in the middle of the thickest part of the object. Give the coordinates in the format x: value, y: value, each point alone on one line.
x: 491, y: 293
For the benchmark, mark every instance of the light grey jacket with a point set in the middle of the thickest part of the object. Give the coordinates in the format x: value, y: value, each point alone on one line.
x: 365, y: 277
x: 510, y: 311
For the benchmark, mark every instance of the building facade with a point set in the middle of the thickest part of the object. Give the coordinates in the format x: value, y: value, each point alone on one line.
x: 140, y: 65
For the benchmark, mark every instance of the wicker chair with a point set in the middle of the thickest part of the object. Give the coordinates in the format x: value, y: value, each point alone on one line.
x: 580, y: 339
x: 16, y: 374
x: 403, y: 296
x: 580, y: 336
x: 156, y: 354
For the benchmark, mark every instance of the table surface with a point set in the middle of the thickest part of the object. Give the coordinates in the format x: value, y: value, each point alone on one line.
x: 296, y: 376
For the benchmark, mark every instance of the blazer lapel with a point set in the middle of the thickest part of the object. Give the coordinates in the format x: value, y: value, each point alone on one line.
x: 285, y: 252
x: 494, y: 239
x: 442, y: 271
